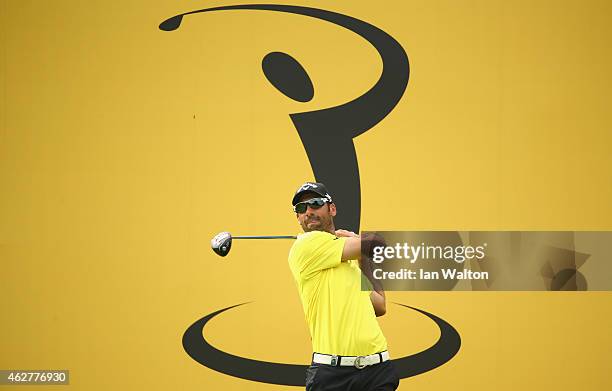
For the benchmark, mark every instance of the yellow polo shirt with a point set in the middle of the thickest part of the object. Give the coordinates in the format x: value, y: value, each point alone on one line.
x: 339, y: 314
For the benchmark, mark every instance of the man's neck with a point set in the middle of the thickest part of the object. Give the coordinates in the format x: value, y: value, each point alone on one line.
x: 331, y: 229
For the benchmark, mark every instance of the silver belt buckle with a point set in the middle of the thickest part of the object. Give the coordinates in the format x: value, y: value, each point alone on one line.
x: 358, y: 363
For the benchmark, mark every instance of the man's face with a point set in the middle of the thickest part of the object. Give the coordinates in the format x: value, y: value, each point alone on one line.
x: 316, y: 219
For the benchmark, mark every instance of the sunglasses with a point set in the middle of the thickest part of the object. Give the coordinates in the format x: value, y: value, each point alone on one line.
x: 314, y: 203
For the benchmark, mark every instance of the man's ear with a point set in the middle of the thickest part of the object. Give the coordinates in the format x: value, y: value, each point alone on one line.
x: 332, y: 210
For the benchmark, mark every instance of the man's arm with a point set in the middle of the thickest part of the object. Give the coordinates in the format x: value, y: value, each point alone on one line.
x: 352, y: 250
x: 352, y: 245
x: 379, y: 302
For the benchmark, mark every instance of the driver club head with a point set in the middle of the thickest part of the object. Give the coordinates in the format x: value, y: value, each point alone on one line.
x: 222, y: 243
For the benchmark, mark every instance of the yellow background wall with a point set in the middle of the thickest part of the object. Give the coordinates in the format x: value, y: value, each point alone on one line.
x: 124, y: 149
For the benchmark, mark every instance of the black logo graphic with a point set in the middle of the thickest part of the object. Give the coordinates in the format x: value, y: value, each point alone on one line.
x: 333, y: 163
x: 203, y: 352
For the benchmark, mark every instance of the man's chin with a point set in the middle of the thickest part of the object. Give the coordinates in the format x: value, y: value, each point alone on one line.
x: 313, y: 227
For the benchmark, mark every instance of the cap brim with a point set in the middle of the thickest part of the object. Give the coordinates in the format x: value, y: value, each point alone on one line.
x: 296, y: 197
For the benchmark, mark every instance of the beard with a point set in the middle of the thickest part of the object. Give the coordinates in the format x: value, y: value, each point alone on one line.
x: 315, y: 223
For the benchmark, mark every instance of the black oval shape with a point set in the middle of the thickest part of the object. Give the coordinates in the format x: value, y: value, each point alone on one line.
x: 198, y: 348
x: 288, y: 76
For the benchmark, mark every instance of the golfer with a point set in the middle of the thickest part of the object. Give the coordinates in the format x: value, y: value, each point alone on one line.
x: 350, y: 350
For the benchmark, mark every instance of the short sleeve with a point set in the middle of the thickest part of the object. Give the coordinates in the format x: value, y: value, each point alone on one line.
x: 315, y: 251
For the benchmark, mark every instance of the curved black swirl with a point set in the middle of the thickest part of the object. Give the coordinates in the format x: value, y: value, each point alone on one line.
x: 334, y: 162
x: 198, y: 348
x: 442, y: 351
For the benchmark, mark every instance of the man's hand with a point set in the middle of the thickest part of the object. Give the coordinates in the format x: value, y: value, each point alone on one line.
x: 342, y: 233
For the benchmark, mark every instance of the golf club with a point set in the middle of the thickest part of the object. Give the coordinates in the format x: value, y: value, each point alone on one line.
x: 222, y: 242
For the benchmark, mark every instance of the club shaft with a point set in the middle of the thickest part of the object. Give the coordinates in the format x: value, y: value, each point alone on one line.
x: 265, y: 237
